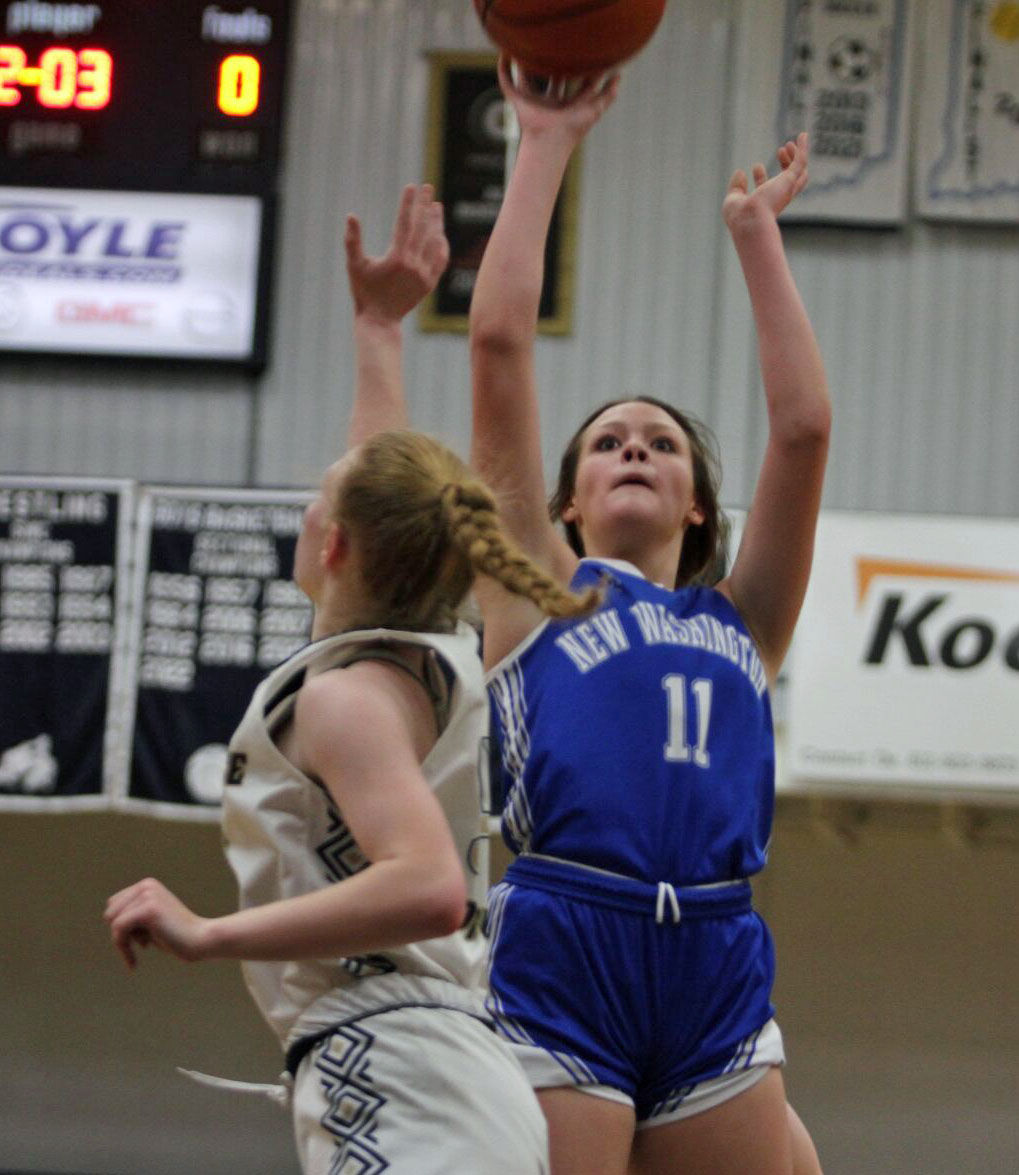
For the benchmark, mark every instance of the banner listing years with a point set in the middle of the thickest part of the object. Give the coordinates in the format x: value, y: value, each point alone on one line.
x: 61, y: 558
x: 216, y: 610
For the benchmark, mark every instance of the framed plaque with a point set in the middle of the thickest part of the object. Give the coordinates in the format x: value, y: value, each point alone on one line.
x: 467, y: 163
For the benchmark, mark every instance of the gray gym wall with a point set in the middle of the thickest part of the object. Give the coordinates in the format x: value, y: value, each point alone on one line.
x: 895, y: 923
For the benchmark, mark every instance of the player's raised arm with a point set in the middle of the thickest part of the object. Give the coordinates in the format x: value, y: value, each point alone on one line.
x: 769, y: 576
x: 506, y: 440
x: 385, y: 289
x: 506, y: 446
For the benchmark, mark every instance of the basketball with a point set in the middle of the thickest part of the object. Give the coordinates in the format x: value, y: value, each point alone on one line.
x: 570, y: 38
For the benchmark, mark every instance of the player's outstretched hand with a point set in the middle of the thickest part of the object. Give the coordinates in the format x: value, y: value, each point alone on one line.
x: 387, y: 288
x: 574, y: 116
x: 774, y: 194
x: 147, y: 914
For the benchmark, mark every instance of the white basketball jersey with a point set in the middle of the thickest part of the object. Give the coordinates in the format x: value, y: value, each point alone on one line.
x: 285, y: 836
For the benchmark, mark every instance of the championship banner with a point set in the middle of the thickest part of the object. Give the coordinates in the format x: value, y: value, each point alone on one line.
x: 64, y: 548
x: 845, y: 76
x: 967, y: 164
x: 905, y: 666
x: 213, y: 610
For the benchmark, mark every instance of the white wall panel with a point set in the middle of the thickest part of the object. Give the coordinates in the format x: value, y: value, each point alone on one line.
x: 915, y: 330
x: 104, y: 419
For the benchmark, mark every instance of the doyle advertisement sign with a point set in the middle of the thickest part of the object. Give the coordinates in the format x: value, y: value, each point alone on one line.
x: 906, y: 662
x: 129, y: 273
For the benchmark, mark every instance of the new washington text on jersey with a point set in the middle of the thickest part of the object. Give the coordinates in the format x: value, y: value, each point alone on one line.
x: 639, y: 740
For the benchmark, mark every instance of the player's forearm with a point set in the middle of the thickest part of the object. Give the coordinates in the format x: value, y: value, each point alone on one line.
x: 379, y: 403
x: 792, y: 369
x: 387, y: 905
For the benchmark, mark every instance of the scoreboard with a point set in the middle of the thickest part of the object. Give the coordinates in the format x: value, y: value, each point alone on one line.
x: 155, y: 95
x: 139, y: 158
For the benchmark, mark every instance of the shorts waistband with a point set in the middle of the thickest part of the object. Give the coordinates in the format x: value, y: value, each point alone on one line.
x: 667, y: 902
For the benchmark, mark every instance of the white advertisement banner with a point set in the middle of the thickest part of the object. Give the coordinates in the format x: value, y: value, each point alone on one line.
x: 128, y: 273
x: 905, y: 667
x: 845, y: 79
x: 968, y: 148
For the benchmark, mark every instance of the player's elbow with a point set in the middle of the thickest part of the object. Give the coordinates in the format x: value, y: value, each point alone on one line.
x: 502, y: 328
x: 494, y: 339
x: 443, y: 901
x: 807, y: 426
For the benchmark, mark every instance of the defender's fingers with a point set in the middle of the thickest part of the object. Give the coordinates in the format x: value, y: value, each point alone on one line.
x: 405, y: 214
x: 118, y: 902
x: 352, y: 240
x: 422, y: 223
x: 125, y: 952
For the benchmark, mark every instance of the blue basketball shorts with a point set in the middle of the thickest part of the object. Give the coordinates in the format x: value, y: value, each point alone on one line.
x: 600, y: 981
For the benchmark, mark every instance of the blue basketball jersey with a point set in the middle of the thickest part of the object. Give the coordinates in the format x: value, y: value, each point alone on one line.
x: 639, y: 739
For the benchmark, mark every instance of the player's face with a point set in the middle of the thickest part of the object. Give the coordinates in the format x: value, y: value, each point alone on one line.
x: 318, y: 518
x: 634, y: 480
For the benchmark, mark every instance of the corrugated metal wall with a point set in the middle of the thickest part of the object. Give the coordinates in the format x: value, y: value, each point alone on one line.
x: 917, y: 325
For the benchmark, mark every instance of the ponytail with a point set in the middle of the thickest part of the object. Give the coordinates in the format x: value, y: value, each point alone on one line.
x: 425, y: 525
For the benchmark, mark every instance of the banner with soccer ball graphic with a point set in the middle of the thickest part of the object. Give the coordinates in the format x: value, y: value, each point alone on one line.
x: 839, y: 70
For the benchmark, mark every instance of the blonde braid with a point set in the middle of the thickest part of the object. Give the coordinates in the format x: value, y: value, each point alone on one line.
x: 424, y: 526
x: 474, y: 525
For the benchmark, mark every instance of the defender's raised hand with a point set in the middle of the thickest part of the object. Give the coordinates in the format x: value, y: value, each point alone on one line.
x: 387, y: 288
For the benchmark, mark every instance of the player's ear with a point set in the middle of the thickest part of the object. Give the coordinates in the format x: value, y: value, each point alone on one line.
x: 335, y: 546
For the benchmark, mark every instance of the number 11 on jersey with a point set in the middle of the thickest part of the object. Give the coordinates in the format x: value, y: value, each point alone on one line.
x: 678, y: 748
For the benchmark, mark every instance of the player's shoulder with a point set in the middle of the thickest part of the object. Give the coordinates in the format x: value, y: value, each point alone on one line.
x: 348, y: 699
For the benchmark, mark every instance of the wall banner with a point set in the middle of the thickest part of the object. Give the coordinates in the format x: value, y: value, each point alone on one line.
x: 845, y: 80
x: 64, y: 549
x: 905, y: 667
x: 213, y: 610
x: 968, y: 152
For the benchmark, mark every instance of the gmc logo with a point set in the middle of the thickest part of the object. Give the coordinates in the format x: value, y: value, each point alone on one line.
x: 117, y: 313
